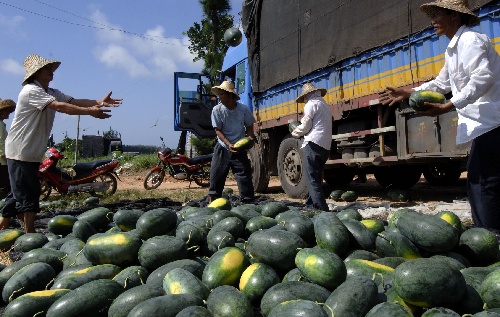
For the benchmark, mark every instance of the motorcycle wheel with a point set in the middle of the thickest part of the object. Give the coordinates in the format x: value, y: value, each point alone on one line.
x: 154, y: 179
x: 46, y: 189
x: 202, y: 177
x: 110, y: 179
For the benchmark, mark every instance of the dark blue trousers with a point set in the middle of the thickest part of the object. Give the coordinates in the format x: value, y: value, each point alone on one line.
x: 483, y: 180
x: 239, y: 163
x: 315, y: 159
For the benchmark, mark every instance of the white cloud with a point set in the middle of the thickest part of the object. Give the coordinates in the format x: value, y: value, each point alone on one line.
x: 151, y: 54
x: 10, y: 25
x: 11, y: 66
x: 115, y: 56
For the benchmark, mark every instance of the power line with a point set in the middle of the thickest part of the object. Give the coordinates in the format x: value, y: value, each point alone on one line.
x: 103, y: 26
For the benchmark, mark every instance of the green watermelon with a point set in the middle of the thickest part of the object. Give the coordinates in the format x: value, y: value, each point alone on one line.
x: 243, y: 144
x: 418, y: 98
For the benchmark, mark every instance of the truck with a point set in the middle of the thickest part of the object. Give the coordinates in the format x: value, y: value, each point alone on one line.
x: 353, y: 49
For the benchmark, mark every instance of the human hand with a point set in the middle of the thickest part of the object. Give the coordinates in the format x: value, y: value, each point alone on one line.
x: 97, y: 112
x: 392, y: 95
x: 110, y: 102
x: 436, y: 109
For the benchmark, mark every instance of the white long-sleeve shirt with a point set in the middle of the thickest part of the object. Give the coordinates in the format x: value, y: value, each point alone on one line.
x: 316, y: 124
x: 472, y: 73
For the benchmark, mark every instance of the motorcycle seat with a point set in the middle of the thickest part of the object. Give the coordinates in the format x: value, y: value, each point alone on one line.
x: 200, y: 159
x: 82, y: 168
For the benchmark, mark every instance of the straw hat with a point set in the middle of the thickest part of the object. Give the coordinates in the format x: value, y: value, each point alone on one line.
x: 8, y: 105
x: 461, y: 6
x: 226, y: 86
x: 308, y: 88
x: 34, y: 63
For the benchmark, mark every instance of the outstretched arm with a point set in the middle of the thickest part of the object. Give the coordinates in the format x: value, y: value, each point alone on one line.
x: 107, y: 101
x: 392, y: 95
x: 71, y: 109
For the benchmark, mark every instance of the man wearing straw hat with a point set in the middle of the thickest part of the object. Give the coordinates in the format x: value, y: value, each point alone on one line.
x: 232, y: 121
x: 36, y: 107
x: 471, y: 72
x: 6, y: 108
x: 316, y: 128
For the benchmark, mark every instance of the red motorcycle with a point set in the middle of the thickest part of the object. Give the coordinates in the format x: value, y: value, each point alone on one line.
x: 180, y: 167
x: 96, y: 177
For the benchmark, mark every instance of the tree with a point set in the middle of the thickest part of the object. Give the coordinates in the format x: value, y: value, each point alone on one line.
x: 112, y: 134
x: 207, y: 37
x: 203, y: 146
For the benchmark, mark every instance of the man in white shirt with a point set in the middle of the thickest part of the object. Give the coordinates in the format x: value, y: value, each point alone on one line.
x: 471, y: 72
x: 36, y: 107
x: 316, y: 128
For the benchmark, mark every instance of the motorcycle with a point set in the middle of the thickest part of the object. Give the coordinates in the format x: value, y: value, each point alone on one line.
x: 96, y: 177
x: 180, y: 167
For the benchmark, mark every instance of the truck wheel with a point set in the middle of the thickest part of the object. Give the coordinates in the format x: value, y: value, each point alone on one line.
x: 260, y: 175
x: 442, y: 174
x: 291, y: 168
x: 338, y: 177
x: 398, y: 176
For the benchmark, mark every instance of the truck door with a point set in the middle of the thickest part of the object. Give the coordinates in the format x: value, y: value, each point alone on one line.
x: 193, y: 104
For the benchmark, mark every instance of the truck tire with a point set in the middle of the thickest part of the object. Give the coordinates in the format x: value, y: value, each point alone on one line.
x: 442, y: 174
x: 338, y: 177
x: 291, y: 168
x: 398, y: 176
x: 260, y: 174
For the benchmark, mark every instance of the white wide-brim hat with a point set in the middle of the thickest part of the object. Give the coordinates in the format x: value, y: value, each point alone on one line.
x: 34, y: 63
x: 307, y: 88
x: 461, y: 6
x: 226, y: 86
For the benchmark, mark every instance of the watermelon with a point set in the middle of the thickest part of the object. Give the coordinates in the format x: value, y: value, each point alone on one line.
x: 292, y: 290
x: 87, y: 300
x: 166, y: 305
x: 32, y: 277
x: 33, y: 303
x: 220, y: 203
x: 276, y: 248
x: 112, y: 248
x: 418, y: 98
x: 257, y: 279
x: 243, y: 144
x: 30, y: 241
x: 479, y: 245
x: 61, y: 224
x: 429, y: 282
x: 127, y: 300
x: 225, y: 267
x: 490, y: 290
x: 292, y: 125
x: 321, y: 267
x: 8, y: 237
x: 354, y: 297
x: 83, y: 276
x: 389, y: 309
x: 180, y: 281
x: 132, y: 276
x: 233, y: 36
x: 227, y: 301
x: 298, y: 307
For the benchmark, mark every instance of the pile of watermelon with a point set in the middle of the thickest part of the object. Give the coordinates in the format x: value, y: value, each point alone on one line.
x: 270, y: 259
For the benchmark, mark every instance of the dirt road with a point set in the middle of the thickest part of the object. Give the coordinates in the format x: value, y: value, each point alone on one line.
x: 369, y: 192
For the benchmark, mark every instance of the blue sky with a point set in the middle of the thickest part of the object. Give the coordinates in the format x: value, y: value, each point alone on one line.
x: 129, y: 47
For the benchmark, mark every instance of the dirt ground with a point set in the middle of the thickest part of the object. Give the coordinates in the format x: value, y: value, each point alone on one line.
x: 369, y: 192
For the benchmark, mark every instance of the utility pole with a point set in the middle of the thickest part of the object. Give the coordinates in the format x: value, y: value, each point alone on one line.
x: 77, y: 136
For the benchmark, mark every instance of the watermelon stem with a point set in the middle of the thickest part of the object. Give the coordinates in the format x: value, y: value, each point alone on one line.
x: 14, y: 293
